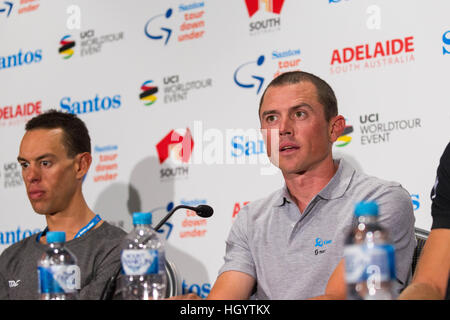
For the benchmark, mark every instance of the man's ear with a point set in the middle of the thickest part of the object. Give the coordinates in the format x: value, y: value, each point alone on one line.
x: 83, y: 163
x: 336, y: 127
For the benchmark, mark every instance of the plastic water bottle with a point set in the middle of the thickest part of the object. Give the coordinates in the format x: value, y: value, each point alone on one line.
x: 58, y: 272
x: 369, y: 257
x: 143, y: 262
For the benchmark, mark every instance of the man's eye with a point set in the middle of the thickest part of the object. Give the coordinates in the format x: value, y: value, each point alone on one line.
x: 24, y: 165
x: 271, y: 118
x: 299, y: 114
x: 46, y: 163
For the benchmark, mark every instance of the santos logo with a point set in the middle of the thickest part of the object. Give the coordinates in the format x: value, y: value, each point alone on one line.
x: 242, y: 79
x: 20, y: 59
x: 91, y: 105
x: 202, y: 290
x: 239, y: 148
x: 10, y: 237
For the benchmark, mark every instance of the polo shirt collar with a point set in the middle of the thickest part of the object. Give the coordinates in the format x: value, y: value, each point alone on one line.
x: 335, y: 188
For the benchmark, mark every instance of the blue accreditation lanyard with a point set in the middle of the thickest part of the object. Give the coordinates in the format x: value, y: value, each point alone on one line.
x: 82, y: 231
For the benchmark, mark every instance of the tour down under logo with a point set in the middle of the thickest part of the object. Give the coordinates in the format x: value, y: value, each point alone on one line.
x: 67, y: 46
x: 148, y: 92
x: 344, y: 139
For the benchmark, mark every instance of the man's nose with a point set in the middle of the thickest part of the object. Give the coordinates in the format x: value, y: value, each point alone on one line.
x: 286, y: 126
x: 32, y: 174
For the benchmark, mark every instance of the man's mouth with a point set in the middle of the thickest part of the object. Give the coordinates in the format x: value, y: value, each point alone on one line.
x: 36, y: 194
x: 288, y: 148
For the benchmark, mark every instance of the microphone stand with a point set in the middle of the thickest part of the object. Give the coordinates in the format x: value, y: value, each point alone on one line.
x: 163, y: 220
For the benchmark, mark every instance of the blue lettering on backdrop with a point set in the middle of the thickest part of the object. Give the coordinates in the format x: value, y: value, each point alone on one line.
x: 202, y: 290
x: 446, y: 40
x: 248, y: 148
x: 11, y: 237
x: 20, y: 59
x: 91, y: 105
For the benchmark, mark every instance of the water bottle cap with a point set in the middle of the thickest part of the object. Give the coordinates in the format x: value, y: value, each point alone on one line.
x: 56, y: 236
x: 142, y: 218
x: 369, y: 208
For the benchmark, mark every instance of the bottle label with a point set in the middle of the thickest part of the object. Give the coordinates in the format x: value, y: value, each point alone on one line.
x: 138, y: 262
x: 59, y: 279
x: 369, y: 263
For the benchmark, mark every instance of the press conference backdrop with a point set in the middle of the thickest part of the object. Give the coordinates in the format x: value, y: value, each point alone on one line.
x: 170, y: 89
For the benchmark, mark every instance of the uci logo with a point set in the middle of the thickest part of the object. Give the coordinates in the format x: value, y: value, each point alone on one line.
x: 249, y: 83
x: 168, y: 31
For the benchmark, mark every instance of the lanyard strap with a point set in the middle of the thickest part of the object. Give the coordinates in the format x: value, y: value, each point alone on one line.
x: 82, y: 231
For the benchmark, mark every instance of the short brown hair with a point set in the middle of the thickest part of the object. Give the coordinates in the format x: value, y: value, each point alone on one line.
x: 76, y: 135
x: 325, y: 94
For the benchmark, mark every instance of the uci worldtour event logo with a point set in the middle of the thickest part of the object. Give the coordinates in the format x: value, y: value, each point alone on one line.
x: 374, y: 131
x: 173, y: 90
x: 185, y: 23
x: 13, y: 115
x: 368, y: 56
x: 148, y: 93
x: 90, y: 105
x: 67, y: 45
x: 12, y: 175
x: 174, y: 153
x: 345, y: 138
x: 89, y: 43
x: 249, y: 74
x: 264, y: 15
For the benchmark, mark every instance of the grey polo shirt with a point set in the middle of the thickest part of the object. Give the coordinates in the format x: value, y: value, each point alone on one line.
x: 292, y: 255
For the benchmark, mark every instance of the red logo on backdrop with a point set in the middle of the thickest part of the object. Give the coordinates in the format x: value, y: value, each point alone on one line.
x: 368, y: 51
x: 183, y: 146
x: 273, y: 6
x: 372, y: 55
x: 237, y: 208
x: 27, y: 109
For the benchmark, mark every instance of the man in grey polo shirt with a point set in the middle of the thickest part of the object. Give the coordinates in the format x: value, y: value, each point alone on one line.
x: 287, y: 245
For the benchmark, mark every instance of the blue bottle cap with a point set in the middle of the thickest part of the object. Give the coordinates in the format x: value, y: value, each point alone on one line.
x: 369, y: 208
x: 56, y: 236
x: 142, y: 218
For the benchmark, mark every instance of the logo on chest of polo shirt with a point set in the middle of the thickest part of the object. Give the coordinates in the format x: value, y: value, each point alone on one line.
x: 320, y: 246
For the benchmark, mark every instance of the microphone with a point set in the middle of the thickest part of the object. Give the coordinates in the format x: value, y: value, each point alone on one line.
x: 202, y: 210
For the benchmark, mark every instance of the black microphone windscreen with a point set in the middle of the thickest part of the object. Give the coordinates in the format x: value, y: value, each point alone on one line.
x: 204, y: 211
